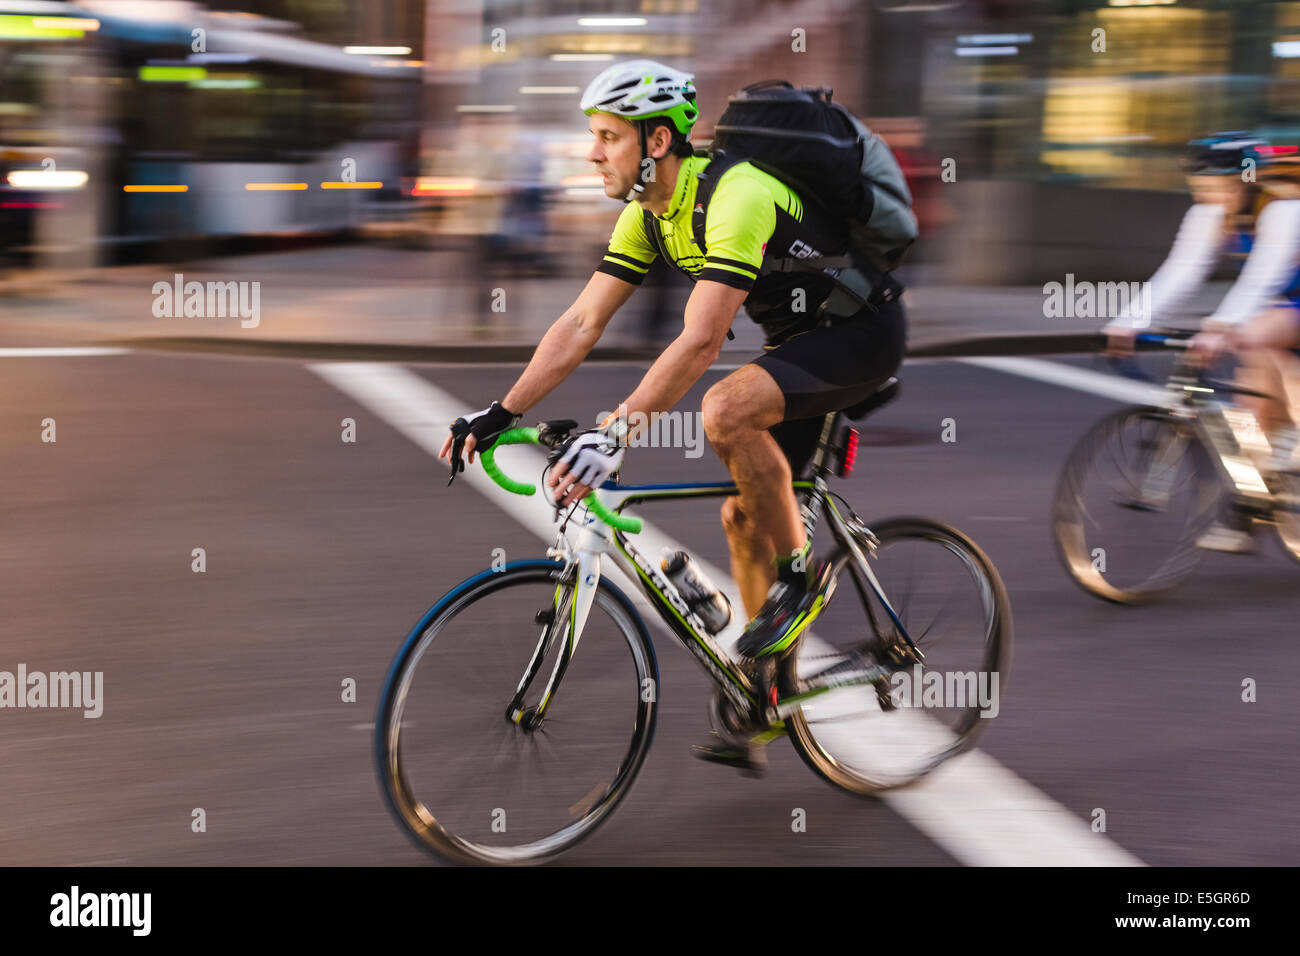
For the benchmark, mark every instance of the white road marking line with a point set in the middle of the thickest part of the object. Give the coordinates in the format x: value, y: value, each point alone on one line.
x: 1079, y: 379
x: 973, y: 807
x: 61, y: 352
x: 423, y: 412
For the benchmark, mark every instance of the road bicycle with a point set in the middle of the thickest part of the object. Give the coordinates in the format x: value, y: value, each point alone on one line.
x: 499, y: 739
x: 1143, y: 484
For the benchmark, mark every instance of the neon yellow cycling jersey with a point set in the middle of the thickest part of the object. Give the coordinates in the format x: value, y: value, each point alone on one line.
x: 749, y: 213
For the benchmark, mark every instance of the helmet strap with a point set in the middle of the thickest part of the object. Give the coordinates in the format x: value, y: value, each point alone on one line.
x: 638, y: 187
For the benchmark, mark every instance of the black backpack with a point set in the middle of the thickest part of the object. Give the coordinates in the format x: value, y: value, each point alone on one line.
x: 820, y: 150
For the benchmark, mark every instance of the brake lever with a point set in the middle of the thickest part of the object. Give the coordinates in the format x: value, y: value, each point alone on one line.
x: 457, y: 446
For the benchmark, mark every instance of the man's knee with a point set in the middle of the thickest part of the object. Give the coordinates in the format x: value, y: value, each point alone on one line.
x: 722, y: 413
x: 746, y: 400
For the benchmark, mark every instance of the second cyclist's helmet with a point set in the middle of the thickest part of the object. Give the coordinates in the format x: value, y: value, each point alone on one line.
x: 1223, y: 154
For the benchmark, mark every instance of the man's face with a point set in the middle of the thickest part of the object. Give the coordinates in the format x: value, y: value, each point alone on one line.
x: 616, y: 153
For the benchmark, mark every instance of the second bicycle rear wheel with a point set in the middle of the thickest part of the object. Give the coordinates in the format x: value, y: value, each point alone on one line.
x: 1286, y: 512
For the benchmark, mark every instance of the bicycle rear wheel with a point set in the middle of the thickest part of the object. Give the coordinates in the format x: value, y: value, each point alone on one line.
x: 950, y: 600
x: 1135, y: 494
x: 1286, y: 512
x: 474, y: 786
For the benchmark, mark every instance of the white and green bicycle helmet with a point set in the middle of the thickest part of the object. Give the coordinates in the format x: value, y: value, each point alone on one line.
x: 642, y: 89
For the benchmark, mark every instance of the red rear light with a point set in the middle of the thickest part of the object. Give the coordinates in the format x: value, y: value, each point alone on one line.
x: 850, y: 453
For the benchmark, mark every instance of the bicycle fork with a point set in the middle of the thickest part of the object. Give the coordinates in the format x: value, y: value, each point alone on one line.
x: 563, y: 621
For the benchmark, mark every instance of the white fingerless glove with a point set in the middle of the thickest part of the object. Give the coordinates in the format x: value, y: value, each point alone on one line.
x: 592, y: 457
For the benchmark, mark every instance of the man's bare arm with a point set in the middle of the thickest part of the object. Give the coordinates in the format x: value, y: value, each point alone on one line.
x: 568, y: 341
x: 562, y: 349
x: 709, y: 313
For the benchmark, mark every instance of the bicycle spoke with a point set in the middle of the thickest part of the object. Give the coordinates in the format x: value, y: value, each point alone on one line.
x: 948, y: 597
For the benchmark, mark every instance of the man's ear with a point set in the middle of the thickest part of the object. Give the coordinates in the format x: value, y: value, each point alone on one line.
x: 659, y: 138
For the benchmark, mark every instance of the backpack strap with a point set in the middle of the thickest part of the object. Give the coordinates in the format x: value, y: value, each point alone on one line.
x: 656, y: 240
x: 704, y: 192
x: 791, y: 264
x: 719, y: 163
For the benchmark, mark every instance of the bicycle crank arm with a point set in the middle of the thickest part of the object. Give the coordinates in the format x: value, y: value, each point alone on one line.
x: 844, y: 676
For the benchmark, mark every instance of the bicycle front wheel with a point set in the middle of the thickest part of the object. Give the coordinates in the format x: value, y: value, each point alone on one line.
x: 1136, y: 493
x: 942, y: 592
x: 468, y: 780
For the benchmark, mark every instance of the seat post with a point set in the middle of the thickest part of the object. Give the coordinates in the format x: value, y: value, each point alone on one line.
x: 824, y: 443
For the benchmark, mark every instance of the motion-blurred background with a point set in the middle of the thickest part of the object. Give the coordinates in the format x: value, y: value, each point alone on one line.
x: 1063, y: 120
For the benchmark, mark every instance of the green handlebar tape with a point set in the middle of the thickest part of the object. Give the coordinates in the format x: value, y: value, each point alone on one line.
x: 528, y: 436
x: 617, y: 521
x: 514, y: 436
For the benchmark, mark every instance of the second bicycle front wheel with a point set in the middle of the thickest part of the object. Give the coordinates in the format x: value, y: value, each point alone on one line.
x: 474, y: 785
x: 1134, y: 497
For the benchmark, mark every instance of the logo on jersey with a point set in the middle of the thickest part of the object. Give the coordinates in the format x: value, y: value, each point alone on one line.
x: 801, y: 250
x: 699, y: 207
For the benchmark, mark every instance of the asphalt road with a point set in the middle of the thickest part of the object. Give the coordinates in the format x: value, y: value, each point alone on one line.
x: 222, y: 689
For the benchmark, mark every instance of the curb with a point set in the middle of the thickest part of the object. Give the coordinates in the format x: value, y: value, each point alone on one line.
x: 1031, y: 343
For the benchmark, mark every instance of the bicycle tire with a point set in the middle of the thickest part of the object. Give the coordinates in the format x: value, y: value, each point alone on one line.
x: 1079, y: 556
x: 1286, y: 514
x: 409, y: 809
x: 995, y: 658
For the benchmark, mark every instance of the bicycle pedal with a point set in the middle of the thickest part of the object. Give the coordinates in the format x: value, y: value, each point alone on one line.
x: 545, y: 616
x: 749, y: 760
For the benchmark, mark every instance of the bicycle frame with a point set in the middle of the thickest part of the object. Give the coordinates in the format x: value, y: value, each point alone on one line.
x: 595, y: 540
x: 1226, y: 430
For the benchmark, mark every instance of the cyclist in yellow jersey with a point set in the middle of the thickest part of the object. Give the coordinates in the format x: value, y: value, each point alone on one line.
x: 764, y: 419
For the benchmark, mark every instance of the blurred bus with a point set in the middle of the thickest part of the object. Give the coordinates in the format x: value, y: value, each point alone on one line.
x: 168, y: 94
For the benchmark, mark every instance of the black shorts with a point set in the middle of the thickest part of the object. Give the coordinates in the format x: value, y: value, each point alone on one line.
x: 830, y: 368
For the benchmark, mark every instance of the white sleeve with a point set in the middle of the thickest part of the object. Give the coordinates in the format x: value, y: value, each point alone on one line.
x: 1190, y: 261
x: 1270, y: 266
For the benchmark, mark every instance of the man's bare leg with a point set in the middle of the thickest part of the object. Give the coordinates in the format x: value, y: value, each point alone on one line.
x: 1271, y: 367
x: 1258, y: 370
x: 763, y: 520
x: 751, y: 556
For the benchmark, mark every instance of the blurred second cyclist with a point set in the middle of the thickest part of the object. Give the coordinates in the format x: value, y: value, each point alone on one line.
x: 1246, y: 205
